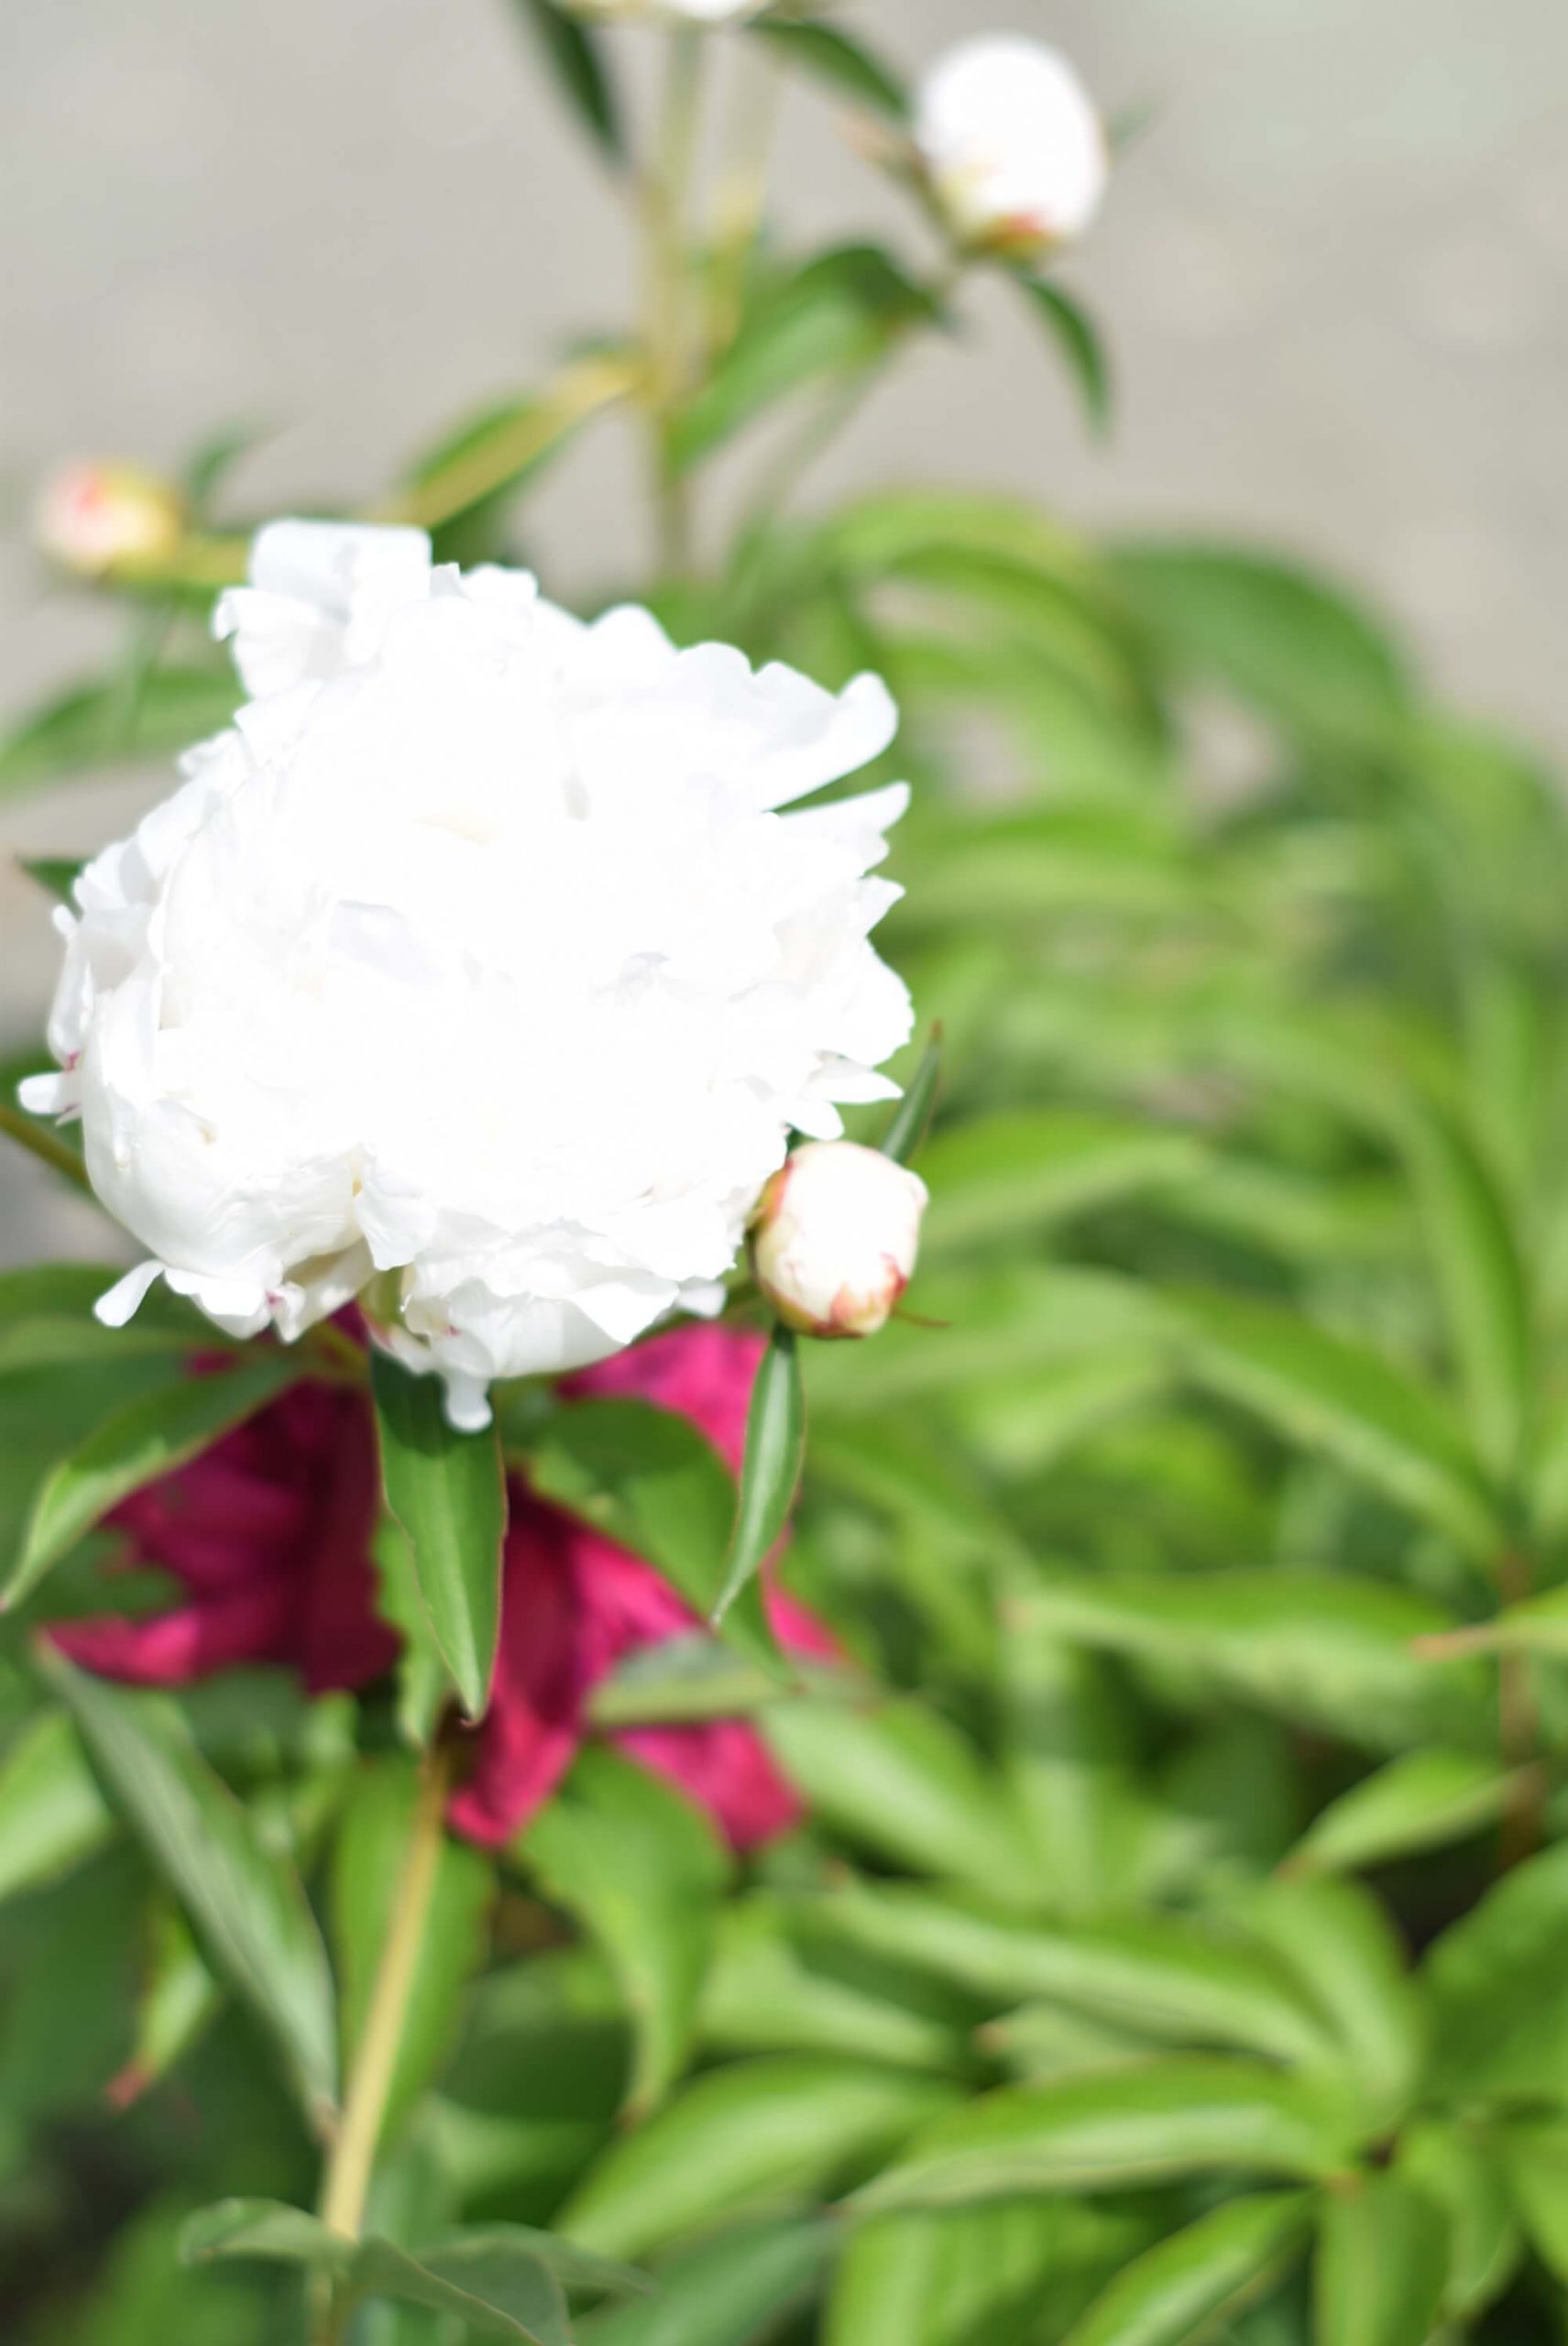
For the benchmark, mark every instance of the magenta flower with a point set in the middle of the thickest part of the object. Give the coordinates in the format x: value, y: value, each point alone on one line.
x: 270, y: 1534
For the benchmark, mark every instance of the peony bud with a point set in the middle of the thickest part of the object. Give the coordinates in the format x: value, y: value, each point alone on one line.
x: 1012, y: 145
x: 835, y: 1238
x: 95, y: 518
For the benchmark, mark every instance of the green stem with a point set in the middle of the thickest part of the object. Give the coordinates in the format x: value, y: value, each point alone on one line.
x: 664, y: 210
x: 43, y: 1144
x: 346, y: 2184
x: 742, y: 200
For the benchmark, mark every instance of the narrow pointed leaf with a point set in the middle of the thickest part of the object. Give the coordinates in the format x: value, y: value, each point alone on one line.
x: 1328, y: 1393
x: 648, y: 1479
x: 912, y: 1114
x: 743, y: 2138
x: 845, y: 66
x: 1174, y: 2293
x: 643, y: 1868
x: 1482, y: 1275
x: 147, y: 1439
x: 244, y: 1900
x: 771, y: 1471
x: 52, y: 1815
x: 446, y: 1490
x: 731, y: 2290
x: 1078, y: 339
x: 1119, y: 2130
x: 1423, y: 1800
x: 577, y: 60
x: 1382, y: 2264
x: 90, y: 726
x: 56, y: 874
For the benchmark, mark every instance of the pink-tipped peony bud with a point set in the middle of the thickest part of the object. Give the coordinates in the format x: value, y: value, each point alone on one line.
x: 835, y: 1238
x: 1013, y: 149
x: 92, y: 518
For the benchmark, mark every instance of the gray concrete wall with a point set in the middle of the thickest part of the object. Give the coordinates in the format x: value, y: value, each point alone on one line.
x: 1335, y: 273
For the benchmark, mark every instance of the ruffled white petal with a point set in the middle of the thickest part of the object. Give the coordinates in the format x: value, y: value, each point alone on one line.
x: 476, y: 957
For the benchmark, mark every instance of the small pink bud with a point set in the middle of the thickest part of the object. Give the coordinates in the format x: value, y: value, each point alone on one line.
x: 835, y: 1238
x: 92, y: 518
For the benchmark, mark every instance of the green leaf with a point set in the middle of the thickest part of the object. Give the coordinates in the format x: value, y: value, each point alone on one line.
x: 1464, y: 2171
x: 1481, y: 1272
x: 903, y: 1783
x: 1013, y: 1321
x: 177, y: 1999
x: 447, y: 1491
x: 846, y: 67
x: 828, y: 319
x: 577, y: 59
x: 1161, y: 1977
x: 1341, y: 1947
x: 777, y: 1985
x: 56, y: 874
x: 1423, y: 1800
x: 1381, y: 2266
x: 770, y: 1469
x: 911, y: 1117
x: 731, y: 2290
x: 244, y: 1899
x: 494, y: 2294
x: 1327, y: 1393
x: 1175, y: 2292
x: 1078, y: 339
x: 1119, y: 2130
x: 642, y: 1870
x: 46, y: 1320
x: 1499, y: 1988
x: 1325, y: 1650
x: 421, y: 1673
x: 469, y: 471
x: 52, y: 1815
x: 680, y: 1682
x: 502, y: 2282
x: 1295, y: 648
x: 144, y: 1440
x: 959, y: 2276
x: 997, y: 1176
x: 93, y: 727
x: 752, y: 2135
x: 367, y: 1866
x: 650, y: 1481
x: 1534, y: 2152
x: 267, y: 2231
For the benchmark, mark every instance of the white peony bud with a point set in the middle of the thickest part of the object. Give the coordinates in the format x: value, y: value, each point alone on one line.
x: 481, y: 966
x: 835, y: 1237
x: 92, y: 518
x: 1012, y: 147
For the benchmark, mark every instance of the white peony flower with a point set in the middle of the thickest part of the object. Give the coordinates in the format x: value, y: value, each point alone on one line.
x: 476, y: 966
x: 1013, y: 149
x: 94, y: 517
x: 835, y: 1237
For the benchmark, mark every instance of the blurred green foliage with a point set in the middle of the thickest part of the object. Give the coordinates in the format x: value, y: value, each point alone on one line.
x: 1178, y: 1948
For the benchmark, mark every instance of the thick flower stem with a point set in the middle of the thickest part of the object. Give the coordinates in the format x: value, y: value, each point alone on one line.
x: 41, y: 1143
x: 664, y: 208
x: 346, y: 2184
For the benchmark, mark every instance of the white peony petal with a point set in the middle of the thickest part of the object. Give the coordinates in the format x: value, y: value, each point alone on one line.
x: 125, y: 1298
x: 475, y: 955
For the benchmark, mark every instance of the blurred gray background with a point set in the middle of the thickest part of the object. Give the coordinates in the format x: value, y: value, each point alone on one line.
x: 1334, y: 273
